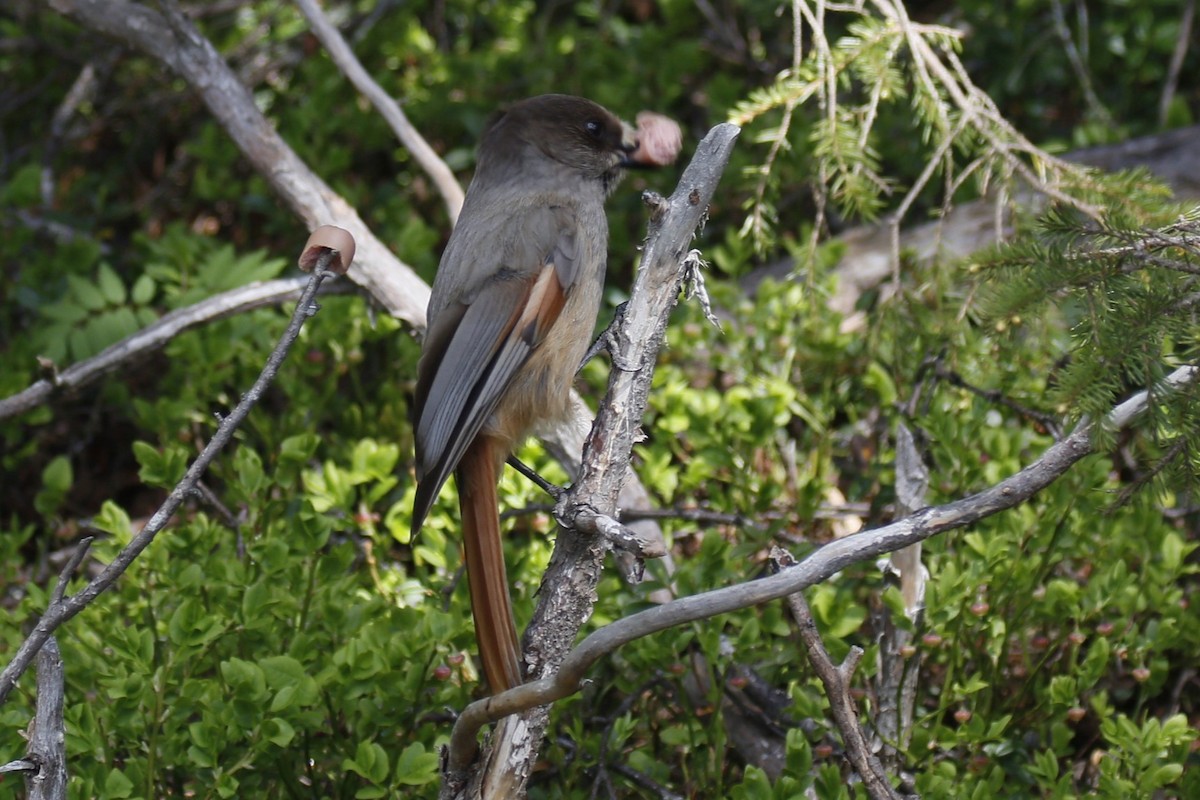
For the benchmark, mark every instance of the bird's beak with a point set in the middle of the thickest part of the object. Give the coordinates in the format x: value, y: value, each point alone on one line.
x: 629, y: 146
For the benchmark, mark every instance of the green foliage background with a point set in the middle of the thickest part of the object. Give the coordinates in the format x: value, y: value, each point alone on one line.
x: 312, y: 650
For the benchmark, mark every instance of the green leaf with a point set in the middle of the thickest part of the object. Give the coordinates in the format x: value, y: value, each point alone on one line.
x: 249, y: 469
x: 415, y: 767
x: 256, y: 602
x: 288, y: 676
x: 299, y: 448
x: 279, y: 731
x: 143, y: 290
x: 675, y: 736
x: 881, y: 382
x: 24, y: 185
x: 66, y: 311
x: 57, y: 479
x: 372, y: 460
x: 799, y: 753
x: 370, y: 761
x: 191, y: 625
x: 113, y: 519
x: 245, y: 677
x: 117, y: 785
x: 87, y: 293
x: 161, y: 468
x: 754, y: 786
x: 110, y: 286
x: 1063, y: 690
x: 1173, y: 551
x: 1165, y: 775
x: 227, y: 785
x: 81, y: 345
x: 283, y: 699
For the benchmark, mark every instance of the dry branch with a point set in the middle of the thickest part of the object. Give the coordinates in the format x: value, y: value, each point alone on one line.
x: 173, y: 40
x: 568, y: 590
x: 155, y: 336
x: 48, y: 735
x: 437, y: 170
x: 819, y: 566
x: 895, y: 681
x: 835, y: 678
x: 63, y: 607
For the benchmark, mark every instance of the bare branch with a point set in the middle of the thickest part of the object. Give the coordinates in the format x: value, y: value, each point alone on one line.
x: 48, y: 735
x: 836, y: 680
x: 895, y: 681
x: 385, y: 104
x: 1171, y: 84
x: 46, y: 755
x: 819, y: 566
x: 155, y: 336
x: 64, y: 575
x: 1082, y: 74
x: 568, y: 589
x: 59, y: 612
x: 82, y: 91
x: 173, y: 40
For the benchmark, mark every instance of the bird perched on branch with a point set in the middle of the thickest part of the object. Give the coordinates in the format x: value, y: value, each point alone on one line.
x: 512, y: 313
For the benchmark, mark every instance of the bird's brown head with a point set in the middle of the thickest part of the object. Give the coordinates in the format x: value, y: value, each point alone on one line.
x: 561, y: 131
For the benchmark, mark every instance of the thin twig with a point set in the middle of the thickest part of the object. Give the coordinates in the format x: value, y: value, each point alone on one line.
x: 48, y: 737
x: 441, y: 174
x: 1171, y: 84
x: 644, y: 781
x: 86, y: 84
x: 155, y: 336
x: 224, y: 514
x: 836, y: 680
x: 1047, y: 421
x: 568, y: 590
x: 820, y: 565
x: 58, y: 613
x: 64, y: 575
x: 529, y: 472
x: 1076, y: 61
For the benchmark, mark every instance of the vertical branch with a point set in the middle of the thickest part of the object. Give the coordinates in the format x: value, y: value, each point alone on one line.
x: 48, y: 737
x: 386, y: 105
x: 836, y: 681
x: 896, y: 680
x: 568, y: 591
x: 46, y: 756
x: 63, y: 608
x: 1171, y: 84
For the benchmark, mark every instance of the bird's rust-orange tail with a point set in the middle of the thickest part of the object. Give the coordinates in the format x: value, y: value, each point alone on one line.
x: 499, y: 649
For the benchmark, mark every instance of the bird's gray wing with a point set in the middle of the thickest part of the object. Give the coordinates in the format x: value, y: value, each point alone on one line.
x: 478, y: 343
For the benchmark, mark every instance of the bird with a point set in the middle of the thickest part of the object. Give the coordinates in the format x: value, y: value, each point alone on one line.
x: 511, y: 314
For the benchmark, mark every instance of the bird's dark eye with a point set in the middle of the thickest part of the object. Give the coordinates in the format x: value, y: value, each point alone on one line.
x: 594, y: 128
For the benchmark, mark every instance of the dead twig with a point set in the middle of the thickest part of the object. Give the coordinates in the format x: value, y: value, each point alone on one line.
x: 437, y: 170
x: 820, y: 565
x: 155, y: 336
x: 836, y: 680
x: 65, y: 607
